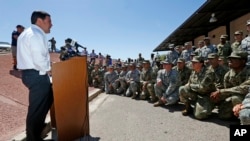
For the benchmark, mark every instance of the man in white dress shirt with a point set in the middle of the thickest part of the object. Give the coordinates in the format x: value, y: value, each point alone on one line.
x: 33, y: 59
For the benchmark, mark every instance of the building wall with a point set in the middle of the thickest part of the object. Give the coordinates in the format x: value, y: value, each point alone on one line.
x: 197, y: 39
x: 216, y: 33
x: 237, y: 24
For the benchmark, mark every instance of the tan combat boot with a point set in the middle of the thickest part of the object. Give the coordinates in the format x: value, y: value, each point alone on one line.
x: 159, y: 103
x: 188, y: 110
x: 134, y: 96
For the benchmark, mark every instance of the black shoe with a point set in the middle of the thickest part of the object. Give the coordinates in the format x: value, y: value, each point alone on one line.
x: 47, y: 128
x: 14, y: 67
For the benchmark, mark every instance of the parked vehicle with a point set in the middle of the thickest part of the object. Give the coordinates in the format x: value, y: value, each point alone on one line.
x: 5, y: 46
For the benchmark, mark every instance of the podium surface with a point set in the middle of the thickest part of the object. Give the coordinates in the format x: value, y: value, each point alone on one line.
x: 70, y: 90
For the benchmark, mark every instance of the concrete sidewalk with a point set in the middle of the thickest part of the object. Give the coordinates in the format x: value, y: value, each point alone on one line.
x: 93, y: 93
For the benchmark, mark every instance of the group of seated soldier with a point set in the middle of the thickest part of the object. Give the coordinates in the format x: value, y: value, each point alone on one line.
x: 201, y: 84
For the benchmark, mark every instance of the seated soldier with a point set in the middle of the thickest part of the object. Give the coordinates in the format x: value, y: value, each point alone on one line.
x: 242, y: 110
x: 236, y: 84
x: 167, y: 85
x: 147, y: 80
x: 109, y: 80
x: 219, y: 71
x: 196, y: 92
x: 97, y: 77
x: 183, y: 70
x: 133, y: 81
x: 121, y: 85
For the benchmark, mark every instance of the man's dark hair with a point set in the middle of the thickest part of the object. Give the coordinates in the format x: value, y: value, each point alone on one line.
x: 38, y: 14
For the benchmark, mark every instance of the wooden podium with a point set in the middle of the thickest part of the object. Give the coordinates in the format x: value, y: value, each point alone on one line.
x: 70, y: 111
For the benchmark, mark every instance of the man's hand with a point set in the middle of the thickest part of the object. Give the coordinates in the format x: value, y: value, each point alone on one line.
x: 159, y: 83
x: 163, y: 99
x: 236, y: 109
x: 215, y: 96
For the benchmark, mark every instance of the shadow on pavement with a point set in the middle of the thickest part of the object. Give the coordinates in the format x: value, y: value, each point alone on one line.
x: 213, y: 118
x: 16, y: 73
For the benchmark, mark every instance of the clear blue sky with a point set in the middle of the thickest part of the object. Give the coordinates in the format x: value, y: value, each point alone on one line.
x: 121, y: 28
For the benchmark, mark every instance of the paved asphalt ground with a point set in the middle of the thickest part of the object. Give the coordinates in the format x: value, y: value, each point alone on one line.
x: 112, y: 117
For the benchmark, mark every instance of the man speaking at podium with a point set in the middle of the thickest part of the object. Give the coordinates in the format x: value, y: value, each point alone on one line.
x: 33, y: 59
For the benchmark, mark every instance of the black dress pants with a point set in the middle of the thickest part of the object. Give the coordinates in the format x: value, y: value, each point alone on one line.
x: 40, y: 101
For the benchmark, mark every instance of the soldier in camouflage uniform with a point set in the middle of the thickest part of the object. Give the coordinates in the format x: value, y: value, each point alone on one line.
x: 167, y: 85
x: 109, y: 79
x: 97, y: 77
x: 202, y: 50
x: 245, y: 43
x: 121, y: 86
x: 218, y: 70
x: 224, y: 48
x: 189, y: 63
x: 172, y: 54
x: 185, y: 54
x: 147, y: 81
x: 184, y: 72
x: 197, y: 91
x: 208, y: 44
x: 133, y: 81
x: 242, y: 110
x: 238, y: 36
x: 236, y: 84
x: 221, y: 62
x: 90, y: 68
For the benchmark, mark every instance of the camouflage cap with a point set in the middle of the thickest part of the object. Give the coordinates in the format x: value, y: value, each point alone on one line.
x: 110, y: 66
x: 212, y: 55
x: 238, y: 32
x: 180, y: 60
x: 238, y: 54
x: 167, y: 61
x: 206, y: 38
x: 248, y: 22
x: 146, y: 61
x: 171, y: 46
x: 198, y: 59
x: 221, y: 58
x: 124, y: 65
x: 131, y: 64
x: 194, y: 54
x: 139, y: 65
x: 187, y: 43
x: 223, y: 36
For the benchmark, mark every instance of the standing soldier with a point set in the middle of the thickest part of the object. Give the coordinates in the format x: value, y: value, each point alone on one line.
x: 172, y: 55
x: 132, y: 80
x: 238, y: 36
x: 185, y: 54
x: 14, y: 36
x: 209, y: 45
x: 147, y: 80
x: 224, y: 48
x: 236, y: 84
x: 139, y: 59
x: 196, y: 92
x: 167, y: 85
x: 53, y: 44
x: 245, y: 43
x: 109, y: 80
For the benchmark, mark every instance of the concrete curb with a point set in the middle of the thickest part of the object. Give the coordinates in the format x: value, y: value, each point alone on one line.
x: 22, y: 136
